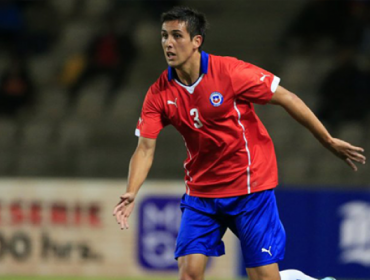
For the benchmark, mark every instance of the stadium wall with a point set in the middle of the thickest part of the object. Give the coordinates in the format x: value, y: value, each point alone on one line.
x: 66, y: 228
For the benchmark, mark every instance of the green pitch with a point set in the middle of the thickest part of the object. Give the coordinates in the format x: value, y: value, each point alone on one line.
x: 70, y: 278
x: 88, y: 278
x: 65, y: 278
x: 104, y: 278
x: 76, y: 278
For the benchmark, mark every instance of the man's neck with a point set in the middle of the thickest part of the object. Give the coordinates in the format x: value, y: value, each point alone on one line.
x: 189, y: 72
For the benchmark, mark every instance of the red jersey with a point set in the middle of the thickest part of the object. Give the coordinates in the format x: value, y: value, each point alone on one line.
x: 229, y: 150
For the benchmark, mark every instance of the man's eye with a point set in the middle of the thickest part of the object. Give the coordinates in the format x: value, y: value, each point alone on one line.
x: 177, y: 36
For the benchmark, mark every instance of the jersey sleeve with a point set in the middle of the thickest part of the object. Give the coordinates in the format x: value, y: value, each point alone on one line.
x: 151, y: 120
x: 251, y: 83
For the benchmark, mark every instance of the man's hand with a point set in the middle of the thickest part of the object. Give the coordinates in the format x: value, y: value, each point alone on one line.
x: 347, y: 152
x: 123, y: 209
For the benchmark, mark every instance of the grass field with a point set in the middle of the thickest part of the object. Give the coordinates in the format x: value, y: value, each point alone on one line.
x: 91, y: 278
x: 105, y: 278
x: 76, y: 278
x: 109, y: 278
x: 84, y: 278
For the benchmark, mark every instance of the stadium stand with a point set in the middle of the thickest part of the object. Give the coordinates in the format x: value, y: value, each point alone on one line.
x: 93, y: 139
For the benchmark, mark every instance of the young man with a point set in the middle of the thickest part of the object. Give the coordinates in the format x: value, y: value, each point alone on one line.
x: 231, y: 171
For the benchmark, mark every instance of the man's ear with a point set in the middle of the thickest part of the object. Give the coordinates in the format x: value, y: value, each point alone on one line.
x: 197, y: 41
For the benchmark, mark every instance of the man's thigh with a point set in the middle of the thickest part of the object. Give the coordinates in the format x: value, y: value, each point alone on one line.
x: 192, y: 266
x: 200, y: 233
x: 261, y: 234
x: 266, y: 272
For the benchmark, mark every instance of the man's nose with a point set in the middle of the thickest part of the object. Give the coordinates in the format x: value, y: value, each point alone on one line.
x: 168, y: 43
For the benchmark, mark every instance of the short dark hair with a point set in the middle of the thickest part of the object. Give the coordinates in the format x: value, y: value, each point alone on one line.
x: 196, y: 22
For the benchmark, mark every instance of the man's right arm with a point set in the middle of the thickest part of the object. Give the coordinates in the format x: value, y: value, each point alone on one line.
x: 140, y: 164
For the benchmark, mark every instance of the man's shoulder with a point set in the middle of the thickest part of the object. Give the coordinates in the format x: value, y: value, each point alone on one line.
x: 226, y: 62
x: 224, y: 59
x: 161, y: 84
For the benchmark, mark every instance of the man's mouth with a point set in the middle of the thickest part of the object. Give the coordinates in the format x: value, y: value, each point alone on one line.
x: 170, y: 55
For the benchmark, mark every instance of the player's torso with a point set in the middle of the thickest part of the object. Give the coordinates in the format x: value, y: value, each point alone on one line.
x: 225, y: 140
x: 203, y: 106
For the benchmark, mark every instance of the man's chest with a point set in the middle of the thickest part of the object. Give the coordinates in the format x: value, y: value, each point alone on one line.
x: 205, y: 104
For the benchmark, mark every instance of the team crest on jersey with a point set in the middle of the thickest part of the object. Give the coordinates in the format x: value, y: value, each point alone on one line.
x: 216, y: 99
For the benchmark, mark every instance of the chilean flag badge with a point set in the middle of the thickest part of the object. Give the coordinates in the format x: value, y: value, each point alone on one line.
x: 216, y: 99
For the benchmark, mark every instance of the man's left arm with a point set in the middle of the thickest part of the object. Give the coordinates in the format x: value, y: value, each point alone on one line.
x: 300, y: 112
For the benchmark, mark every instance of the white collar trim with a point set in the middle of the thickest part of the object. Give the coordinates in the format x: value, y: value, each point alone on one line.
x: 191, y: 88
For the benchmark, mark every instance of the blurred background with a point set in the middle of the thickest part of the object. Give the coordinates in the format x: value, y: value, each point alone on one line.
x: 74, y: 74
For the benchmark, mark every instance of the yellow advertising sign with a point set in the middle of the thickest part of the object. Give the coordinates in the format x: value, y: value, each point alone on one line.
x: 66, y: 227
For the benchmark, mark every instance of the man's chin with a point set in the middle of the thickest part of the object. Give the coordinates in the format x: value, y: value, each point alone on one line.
x: 172, y: 63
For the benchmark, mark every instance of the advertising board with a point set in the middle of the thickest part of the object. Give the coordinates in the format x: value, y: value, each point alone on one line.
x: 66, y: 227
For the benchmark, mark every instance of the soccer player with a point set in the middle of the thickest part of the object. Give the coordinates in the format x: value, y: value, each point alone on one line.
x: 231, y: 169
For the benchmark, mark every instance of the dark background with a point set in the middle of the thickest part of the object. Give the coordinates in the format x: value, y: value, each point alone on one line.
x: 73, y: 76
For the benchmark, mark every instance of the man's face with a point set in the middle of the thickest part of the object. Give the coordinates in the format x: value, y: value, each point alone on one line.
x: 176, y: 43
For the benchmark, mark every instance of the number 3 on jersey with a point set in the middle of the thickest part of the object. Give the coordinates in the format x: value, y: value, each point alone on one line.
x: 195, y: 113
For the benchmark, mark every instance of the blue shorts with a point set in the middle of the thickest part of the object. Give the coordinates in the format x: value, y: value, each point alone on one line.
x: 253, y: 218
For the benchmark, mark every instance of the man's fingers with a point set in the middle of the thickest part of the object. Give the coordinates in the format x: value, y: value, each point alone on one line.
x: 124, y: 222
x: 118, y: 217
x: 122, y: 216
x: 357, y: 149
x: 121, y: 204
x: 123, y: 210
x: 125, y: 216
x: 117, y: 208
x: 351, y: 164
x: 357, y: 157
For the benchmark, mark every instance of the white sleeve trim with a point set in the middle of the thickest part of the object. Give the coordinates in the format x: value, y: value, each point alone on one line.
x: 137, y: 132
x: 275, y: 83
